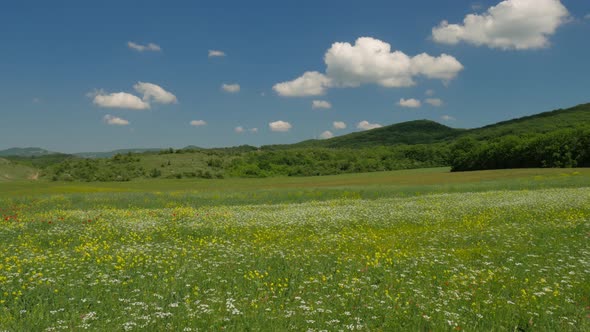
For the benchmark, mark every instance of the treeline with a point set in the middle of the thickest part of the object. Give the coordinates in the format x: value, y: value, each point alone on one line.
x: 325, y: 161
x: 117, y: 168
x: 562, y: 148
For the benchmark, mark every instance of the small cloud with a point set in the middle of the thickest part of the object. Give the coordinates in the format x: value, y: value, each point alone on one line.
x: 115, y: 121
x: 231, y: 88
x: 320, y: 104
x: 198, y: 123
x: 216, y: 53
x: 311, y: 83
x: 142, y: 48
x: 118, y: 100
x: 239, y: 129
x: 36, y: 100
x: 366, y: 125
x: 447, y: 118
x: 326, y: 135
x: 152, y: 92
x: 429, y: 92
x: 339, y: 125
x: 253, y: 130
x: 410, y: 103
x: 587, y: 16
x: 280, y: 126
x: 436, y: 102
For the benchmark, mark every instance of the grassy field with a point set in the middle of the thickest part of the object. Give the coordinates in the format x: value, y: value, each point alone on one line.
x: 395, y: 251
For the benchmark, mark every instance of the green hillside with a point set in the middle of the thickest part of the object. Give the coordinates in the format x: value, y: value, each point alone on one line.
x: 412, y: 132
x: 571, y: 118
x: 427, y: 132
x: 11, y: 171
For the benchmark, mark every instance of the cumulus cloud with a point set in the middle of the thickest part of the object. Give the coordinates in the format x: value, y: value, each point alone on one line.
x: 326, y: 134
x: 339, y: 125
x: 154, y: 93
x: 447, y: 118
x: 311, y: 83
x: 366, y: 125
x: 320, y: 104
x: 239, y: 129
x: 410, y: 103
x: 231, y: 88
x: 429, y: 92
x: 142, y: 48
x: 436, y: 102
x: 280, y: 126
x: 511, y: 24
x: 114, y: 121
x: 216, y: 53
x: 198, y: 123
x: 253, y: 130
x: 118, y: 100
x: 370, y: 61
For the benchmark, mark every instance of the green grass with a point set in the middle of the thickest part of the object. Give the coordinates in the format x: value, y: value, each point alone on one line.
x: 420, y: 250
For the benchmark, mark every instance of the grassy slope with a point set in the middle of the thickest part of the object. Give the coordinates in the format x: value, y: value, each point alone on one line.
x: 11, y: 171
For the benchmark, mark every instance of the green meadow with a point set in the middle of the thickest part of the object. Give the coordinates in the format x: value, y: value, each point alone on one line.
x: 425, y: 250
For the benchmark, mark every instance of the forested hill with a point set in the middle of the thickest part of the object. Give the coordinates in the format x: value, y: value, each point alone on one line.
x: 412, y: 132
x: 428, y: 132
x: 571, y: 118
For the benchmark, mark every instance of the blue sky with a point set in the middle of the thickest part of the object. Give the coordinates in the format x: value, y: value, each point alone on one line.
x: 71, y: 81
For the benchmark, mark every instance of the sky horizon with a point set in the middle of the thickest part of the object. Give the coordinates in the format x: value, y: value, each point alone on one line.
x: 78, y: 77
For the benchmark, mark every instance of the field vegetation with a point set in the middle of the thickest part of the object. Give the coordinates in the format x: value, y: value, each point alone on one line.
x: 405, y: 250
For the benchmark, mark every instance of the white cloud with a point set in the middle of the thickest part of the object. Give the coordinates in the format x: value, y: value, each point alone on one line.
x: 231, y: 88
x: 142, y: 48
x: 312, y: 83
x: 512, y: 24
x: 410, y: 103
x: 447, y: 118
x: 118, y: 100
x: 326, y: 134
x: 198, y: 123
x: 436, y: 102
x: 365, y: 125
x: 369, y: 61
x: 281, y: 126
x: 318, y: 104
x: 429, y: 92
x: 115, y: 121
x: 216, y: 53
x: 253, y: 130
x: 154, y: 93
x: 339, y: 125
x: 239, y: 129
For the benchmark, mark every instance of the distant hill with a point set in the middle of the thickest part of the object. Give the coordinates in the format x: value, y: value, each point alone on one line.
x: 411, y: 132
x: 428, y: 132
x: 24, y: 152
